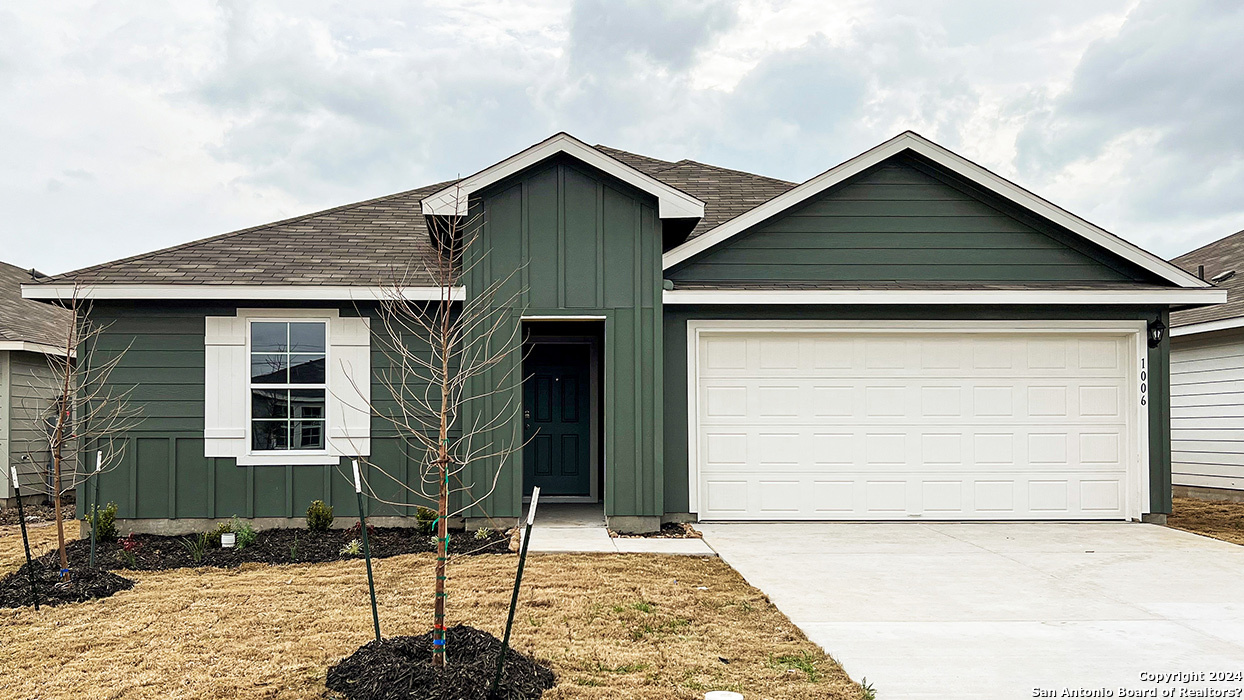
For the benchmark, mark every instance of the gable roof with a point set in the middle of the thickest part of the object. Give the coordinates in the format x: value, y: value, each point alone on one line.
x: 672, y: 203
x: 1223, y: 255
x: 351, y: 251
x: 910, y: 141
x: 25, y: 324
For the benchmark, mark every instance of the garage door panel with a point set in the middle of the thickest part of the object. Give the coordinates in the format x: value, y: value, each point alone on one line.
x: 941, y: 425
x: 895, y: 495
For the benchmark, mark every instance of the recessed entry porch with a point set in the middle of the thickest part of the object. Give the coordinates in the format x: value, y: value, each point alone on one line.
x: 563, y: 410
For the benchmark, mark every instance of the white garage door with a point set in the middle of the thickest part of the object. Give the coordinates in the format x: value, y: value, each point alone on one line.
x: 817, y: 424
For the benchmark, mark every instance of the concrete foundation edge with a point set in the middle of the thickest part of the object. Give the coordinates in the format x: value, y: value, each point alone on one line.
x: 1208, y: 493
x: 633, y: 524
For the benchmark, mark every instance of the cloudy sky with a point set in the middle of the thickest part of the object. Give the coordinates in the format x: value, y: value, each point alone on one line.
x: 127, y: 126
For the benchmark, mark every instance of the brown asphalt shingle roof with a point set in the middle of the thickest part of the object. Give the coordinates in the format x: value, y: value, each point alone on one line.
x: 26, y: 320
x: 1223, y: 255
x: 368, y: 243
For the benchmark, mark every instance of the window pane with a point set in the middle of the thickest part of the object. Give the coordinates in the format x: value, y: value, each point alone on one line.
x: 306, y: 337
x: 307, y: 403
x: 269, y: 435
x: 270, y: 403
x: 269, y: 369
x: 306, y: 369
x: 269, y: 337
x: 307, y: 434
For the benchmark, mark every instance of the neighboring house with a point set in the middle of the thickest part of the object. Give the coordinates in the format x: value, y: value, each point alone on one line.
x: 906, y: 336
x: 1207, y: 380
x: 30, y: 332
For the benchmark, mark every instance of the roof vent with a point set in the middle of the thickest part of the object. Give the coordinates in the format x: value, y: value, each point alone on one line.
x: 1222, y: 277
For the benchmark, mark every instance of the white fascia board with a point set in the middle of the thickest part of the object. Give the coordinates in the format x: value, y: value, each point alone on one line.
x: 1225, y: 324
x: 41, y: 348
x: 672, y: 203
x: 956, y: 164
x: 944, y: 296
x: 65, y: 292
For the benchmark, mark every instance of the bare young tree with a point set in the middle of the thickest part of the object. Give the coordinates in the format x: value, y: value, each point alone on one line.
x: 82, y: 410
x: 445, y: 359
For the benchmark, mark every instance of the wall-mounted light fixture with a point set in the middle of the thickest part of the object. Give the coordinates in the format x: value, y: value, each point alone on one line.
x: 1156, y: 331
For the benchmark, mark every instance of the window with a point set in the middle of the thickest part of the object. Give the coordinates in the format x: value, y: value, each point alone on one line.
x: 288, y: 385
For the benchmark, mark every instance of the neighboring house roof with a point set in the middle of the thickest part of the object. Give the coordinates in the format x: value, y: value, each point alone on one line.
x: 26, y: 324
x: 363, y: 245
x: 1222, y: 256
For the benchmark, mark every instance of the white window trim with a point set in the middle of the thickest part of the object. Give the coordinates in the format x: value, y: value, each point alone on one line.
x: 227, y: 430
x: 1136, y: 493
x: 251, y: 452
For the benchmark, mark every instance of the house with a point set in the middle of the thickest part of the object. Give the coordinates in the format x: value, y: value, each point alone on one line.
x: 906, y: 336
x: 1207, y: 379
x: 30, y: 334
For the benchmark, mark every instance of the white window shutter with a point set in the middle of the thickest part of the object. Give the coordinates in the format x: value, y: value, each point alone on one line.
x: 224, y: 429
x: 349, y: 386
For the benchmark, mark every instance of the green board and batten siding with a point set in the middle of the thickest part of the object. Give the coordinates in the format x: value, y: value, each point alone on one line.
x: 903, y: 221
x: 571, y: 241
x: 164, y: 474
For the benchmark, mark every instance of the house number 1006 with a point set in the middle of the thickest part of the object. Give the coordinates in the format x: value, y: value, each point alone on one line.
x: 1144, y: 383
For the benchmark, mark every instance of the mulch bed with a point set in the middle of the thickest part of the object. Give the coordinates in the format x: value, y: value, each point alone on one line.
x: 401, y: 668
x: 35, y: 513
x: 84, y: 584
x: 161, y: 552
x: 668, y: 531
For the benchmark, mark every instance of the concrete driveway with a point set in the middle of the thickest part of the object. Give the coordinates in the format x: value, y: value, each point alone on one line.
x: 999, y: 610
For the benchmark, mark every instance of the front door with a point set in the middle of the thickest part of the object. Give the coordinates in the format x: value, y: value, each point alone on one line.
x: 557, y: 419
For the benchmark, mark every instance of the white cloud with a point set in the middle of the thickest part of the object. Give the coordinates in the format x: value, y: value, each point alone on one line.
x: 129, y: 127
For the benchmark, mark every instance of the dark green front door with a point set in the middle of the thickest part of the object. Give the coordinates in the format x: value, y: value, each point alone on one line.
x: 557, y: 419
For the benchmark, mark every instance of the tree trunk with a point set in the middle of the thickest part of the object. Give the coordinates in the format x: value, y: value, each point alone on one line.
x: 60, y: 525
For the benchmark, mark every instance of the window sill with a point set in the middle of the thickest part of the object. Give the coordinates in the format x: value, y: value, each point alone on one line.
x: 287, y: 459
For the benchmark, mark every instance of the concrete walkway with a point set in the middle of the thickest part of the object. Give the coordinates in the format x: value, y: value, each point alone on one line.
x: 576, y: 528
x: 997, y: 610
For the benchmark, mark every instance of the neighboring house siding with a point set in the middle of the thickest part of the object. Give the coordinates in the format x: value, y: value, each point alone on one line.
x: 1207, y: 410
x: 6, y: 489
x: 164, y: 474
x: 32, y: 392
x: 905, y: 222
x: 573, y: 241
x: 675, y: 383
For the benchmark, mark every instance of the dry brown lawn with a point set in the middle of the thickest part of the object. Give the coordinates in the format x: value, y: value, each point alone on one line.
x: 42, y: 538
x: 1221, y: 520
x: 612, y: 626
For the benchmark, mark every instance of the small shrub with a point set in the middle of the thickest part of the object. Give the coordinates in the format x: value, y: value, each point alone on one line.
x: 104, y: 523
x: 351, y: 549
x: 319, y: 516
x: 483, y: 533
x: 130, y: 547
x: 426, y: 518
x: 196, y: 546
x: 293, y: 549
x: 245, y: 532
